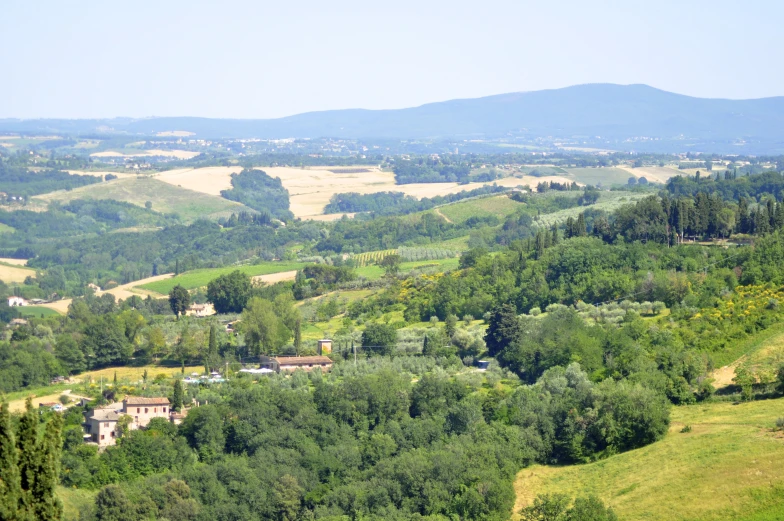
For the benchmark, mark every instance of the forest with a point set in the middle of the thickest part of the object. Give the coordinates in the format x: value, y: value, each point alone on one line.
x: 255, y: 189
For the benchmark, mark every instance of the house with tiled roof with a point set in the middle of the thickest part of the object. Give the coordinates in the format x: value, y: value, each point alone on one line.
x: 143, y: 409
x: 101, y: 426
x: 292, y: 363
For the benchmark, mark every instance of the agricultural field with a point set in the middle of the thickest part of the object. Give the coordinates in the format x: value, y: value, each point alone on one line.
x: 608, y: 201
x: 727, y: 467
x: 210, y: 180
x: 604, y: 176
x: 37, y: 311
x: 310, y: 189
x: 373, y: 272
x: 654, y: 174
x: 165, y: 198
x: 499, y: 206
x: 14, y: 273
x: 371, y: 257
x: 199, y: 278
x: 178, y: 154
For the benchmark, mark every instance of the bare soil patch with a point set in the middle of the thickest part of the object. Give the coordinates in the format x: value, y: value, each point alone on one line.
x: 272, y: 278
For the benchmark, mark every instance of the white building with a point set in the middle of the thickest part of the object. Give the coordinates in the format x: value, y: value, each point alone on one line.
x: 16, y: 301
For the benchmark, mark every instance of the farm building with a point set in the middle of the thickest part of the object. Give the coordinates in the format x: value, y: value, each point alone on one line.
x: 292, y: 363
x: 142, y: 410
x: 324, y: 347
x: 101, y: 426
x: 200, y: 310
x: 16, y: 301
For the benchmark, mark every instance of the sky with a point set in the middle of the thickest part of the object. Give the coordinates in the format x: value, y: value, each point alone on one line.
x: 262, y: 59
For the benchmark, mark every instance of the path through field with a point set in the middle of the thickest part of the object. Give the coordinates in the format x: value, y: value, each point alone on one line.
x: 438, y: 212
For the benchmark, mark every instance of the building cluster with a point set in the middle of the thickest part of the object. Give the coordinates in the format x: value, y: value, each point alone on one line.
x: 101, y: 424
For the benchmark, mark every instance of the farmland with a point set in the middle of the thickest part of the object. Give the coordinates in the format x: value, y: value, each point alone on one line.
x: 599, y: 176
x: 210, y: 180
x: 37, y: 311
x: 165, y: 198
x: 608, y: 201
x: 726, y: 467
x: 4, y: 228
x: 200, y: 278
x: 14, y: 273
x: 373, y: 272
x: 499, y: 206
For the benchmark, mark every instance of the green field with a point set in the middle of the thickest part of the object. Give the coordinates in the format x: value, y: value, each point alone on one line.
x: 75, y: 500
x: 730, y: 466
x: 608, y: 201
x: 200, y: 278
x: 601, y: 175
x: 498, y: 206
x: 4, y: 228
x: 37, y: 311
x: 373, y: 272
x: 165, y: 198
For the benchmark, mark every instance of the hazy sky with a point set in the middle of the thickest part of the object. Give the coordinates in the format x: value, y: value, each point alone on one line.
x: 258, y: 59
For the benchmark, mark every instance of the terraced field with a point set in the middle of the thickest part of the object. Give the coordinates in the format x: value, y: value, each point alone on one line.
x: 199, y: 278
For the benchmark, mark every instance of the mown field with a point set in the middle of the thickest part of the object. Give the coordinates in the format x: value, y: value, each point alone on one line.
x: 499, y: 206
x: 38, y: 311
x: 608, y: 201
x: 200, y: 278
x: 604, y: 176
x: 14, y: 273
x: 729, y: 466
x: 166, y: 198
x: 4, y: 228
x: 373, y: 272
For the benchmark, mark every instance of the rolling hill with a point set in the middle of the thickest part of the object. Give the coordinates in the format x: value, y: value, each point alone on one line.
x: 607, y: 110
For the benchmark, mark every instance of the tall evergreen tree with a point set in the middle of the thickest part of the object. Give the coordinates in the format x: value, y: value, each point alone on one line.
x: 27, y: 445
x: 580, y: 227
x: 9, y: 471
x: 554, y: 235
x: 298, y: 335
x: 46, y: 504
x: 176, y: 403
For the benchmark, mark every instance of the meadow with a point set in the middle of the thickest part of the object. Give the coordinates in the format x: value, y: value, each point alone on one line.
x: 499, y: 206
x: 4, y: 228
x: 608, y: 201
x: 727, y: 466
x: 374, y: 272
x: 200, y: 278
x: 190, y: 205
x: 604, y: 176
x: 14, y: 273
x: 38, y: 312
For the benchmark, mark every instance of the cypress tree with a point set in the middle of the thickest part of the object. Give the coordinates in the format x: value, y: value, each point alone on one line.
x: 177, y: 397
x: 298, y: 335
x: 46, y: 504
x: 9, y: 472
x: 27, y: 445
x: 582, y: 229
x: 212, y: 348
x: 554, y: 235
x: 177, y: 266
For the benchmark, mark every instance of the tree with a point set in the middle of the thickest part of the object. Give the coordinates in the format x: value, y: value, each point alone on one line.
x: 105, y: 340
x: 47, y: 506
x: 112, y: 504
x: 9, y: 471
x: 185, y: 348
x: 179, y: 300
x: 203, y: 428
x: 391, y: 264
x: 212, y: 358
x: 379, y: 338
x: 503, y: 328
x: 547, y: 507
x: 229, y: 293
x: 156, y: 342
x: 450, y: 325
x: 27, y: 445
x: 287, y: 497
x: 264, y: 331
x: 176, y: 402
x: 298, y: 335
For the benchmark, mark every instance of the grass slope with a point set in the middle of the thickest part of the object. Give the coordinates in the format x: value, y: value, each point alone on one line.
x: 12, y: 273
x: 499, y: 206
x: 38, y: 311
x: 166, y: 198
x: 4, y: 228
x: 200, y: 278
x: 730, y: 466
x: 608, y: 201
x: 373, y: 272
x: 606, y: 176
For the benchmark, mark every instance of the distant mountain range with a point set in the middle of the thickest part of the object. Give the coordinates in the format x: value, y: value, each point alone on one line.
x: 612, y: 112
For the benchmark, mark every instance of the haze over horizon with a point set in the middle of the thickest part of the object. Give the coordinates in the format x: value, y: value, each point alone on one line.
x: 245, y: 60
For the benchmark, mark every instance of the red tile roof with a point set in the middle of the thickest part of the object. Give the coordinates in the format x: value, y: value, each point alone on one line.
x: 302, y: 360
x: 140, y: 400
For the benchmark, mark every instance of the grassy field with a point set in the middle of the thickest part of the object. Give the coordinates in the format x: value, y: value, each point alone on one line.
x: 75, y: 500
x: 371, y: 257
x: 4, y: 228
x: 730, y: 466
x: 188, y: 204
x: 499, y: 206
x: 134, y: 374
x: 608, y: 201
x: 200, y: 278
x: 14, y: 273
x: 373, y: 272
x: 595, y: 176
x: 37, y: 311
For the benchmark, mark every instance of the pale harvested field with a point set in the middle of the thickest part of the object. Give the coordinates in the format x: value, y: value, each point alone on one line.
x: 311, y: 189
x: 16, y: 262
x: 179, y: 154
x: 15, y: 274
x: 8, y: 137
x: 272, y: 278
x: 122, y: 292
x: 210, y: 180
x: 328, y: 217
x: 657, y: 174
